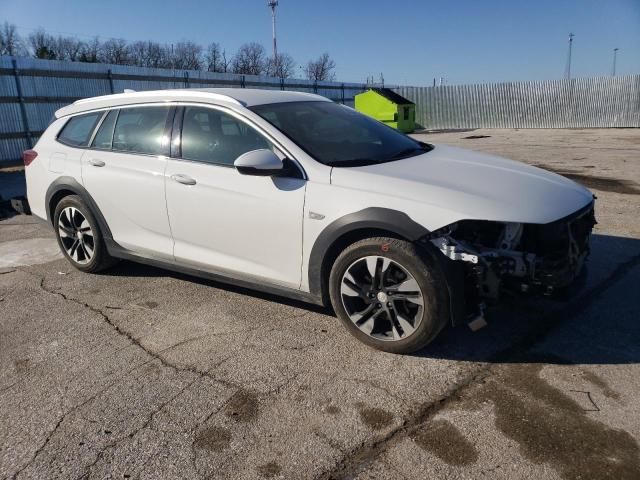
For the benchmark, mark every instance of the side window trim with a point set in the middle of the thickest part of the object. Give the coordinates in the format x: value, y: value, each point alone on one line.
x: 97, y: 127
x: 176, y: 136
x: 176, y: 133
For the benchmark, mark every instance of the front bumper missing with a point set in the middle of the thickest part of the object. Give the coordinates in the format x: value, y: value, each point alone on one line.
x: 540, y: 259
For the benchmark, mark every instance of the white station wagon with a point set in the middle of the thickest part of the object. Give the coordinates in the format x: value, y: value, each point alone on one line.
x: 295, y: 195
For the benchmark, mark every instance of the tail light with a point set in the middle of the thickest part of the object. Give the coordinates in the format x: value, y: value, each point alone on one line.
x: 29, y: 156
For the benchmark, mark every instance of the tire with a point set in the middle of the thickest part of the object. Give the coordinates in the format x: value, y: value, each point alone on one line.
x: 79, y: 236
x: 398, y: 321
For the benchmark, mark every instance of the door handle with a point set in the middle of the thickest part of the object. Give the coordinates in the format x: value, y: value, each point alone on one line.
x: 183, y: 179
x: 96, y: 163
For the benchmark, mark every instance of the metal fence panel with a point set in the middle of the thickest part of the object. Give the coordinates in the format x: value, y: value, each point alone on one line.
x: 598, y: 102
x: 31, y: 90
x: 46, y: 85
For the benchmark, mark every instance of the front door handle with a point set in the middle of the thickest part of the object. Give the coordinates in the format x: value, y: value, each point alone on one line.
x: 96, y: 163
x: 183, y: 179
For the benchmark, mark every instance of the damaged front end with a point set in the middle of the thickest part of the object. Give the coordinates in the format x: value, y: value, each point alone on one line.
x: 494, y: 257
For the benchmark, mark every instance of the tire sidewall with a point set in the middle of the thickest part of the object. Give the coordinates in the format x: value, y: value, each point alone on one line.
x: 425, y: 271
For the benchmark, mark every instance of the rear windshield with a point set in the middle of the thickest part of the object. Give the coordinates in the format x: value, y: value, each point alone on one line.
x: 337, y: 135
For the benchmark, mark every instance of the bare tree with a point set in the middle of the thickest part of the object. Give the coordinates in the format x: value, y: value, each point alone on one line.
x: 139, y: 53
x: 42, y: 45
x: 281, y: 66
x: 10, y: 41
x: 321, y: 69
x: 187, y: 56
x: 216, y: 58
x: 249, y: 60
x: 90, y: 51
x: 115, y: 51
x: 67, y: 48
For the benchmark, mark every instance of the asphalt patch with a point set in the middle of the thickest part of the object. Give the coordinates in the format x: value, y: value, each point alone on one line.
x: 269, y: 470
x: 375, y: 418
x: 214, y: 439
x: 601, y: 384
x: 605, y: 184
x: 445, y: 441
x: 551, y: 427
x: 242, y: 406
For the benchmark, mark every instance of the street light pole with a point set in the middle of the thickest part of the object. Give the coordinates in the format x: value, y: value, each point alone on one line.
x: 615, y: 57
x: 273, y: 4
x: 567, y: 73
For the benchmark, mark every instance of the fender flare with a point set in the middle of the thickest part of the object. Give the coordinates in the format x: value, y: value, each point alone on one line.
x: 373, y: 218
x: 72, y: 185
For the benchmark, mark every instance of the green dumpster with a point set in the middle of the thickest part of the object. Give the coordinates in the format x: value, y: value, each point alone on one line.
x: 387, y: 106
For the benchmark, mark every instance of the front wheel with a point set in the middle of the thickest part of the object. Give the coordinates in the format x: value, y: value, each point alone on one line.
x: 389, y: 294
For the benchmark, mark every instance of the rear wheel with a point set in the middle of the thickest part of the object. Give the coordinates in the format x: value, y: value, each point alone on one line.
x: 79, y: 235
x: 389, y: 294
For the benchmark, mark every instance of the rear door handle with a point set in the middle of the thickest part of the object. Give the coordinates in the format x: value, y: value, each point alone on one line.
x: 183, y: 179
x: 96, y: 163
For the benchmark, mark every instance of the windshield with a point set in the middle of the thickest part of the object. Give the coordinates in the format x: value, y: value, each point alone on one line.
x: 337, y: 135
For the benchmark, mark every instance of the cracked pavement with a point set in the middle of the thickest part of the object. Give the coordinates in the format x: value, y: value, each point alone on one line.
x: 143, y: 373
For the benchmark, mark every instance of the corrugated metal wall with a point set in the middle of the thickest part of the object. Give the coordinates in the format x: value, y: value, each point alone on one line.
x: 47, y: 85
x: 599, y: 102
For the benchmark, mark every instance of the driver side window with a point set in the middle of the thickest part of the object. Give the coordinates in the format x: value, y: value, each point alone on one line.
x: 212, y: 136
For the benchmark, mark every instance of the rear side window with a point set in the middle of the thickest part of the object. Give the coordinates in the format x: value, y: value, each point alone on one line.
x: 142, y: 130
x: 104, y: 137
x: 77, y: 131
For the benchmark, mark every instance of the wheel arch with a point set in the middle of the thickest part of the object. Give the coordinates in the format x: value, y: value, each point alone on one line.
x: 370, y: 222
x: 65, y: 186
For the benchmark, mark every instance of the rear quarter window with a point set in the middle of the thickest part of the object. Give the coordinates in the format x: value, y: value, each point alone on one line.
x: 77, y: 131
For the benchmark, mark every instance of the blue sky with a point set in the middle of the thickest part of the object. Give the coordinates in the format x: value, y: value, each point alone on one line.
x: 410, y: 41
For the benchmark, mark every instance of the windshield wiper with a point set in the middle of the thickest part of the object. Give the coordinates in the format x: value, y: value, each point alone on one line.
x: 353, y: 162
x: 407, y: 152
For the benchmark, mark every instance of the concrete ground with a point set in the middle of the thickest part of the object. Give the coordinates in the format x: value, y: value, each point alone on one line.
x: 143, y: 373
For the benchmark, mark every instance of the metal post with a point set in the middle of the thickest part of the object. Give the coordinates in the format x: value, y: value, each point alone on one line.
x: 23, y: 108
x: 315, y: 86
x: 242, y: 81
x: 185, y: 76
x: 281, y: 83
x: 273, y: 4
x: 110, y: 77
x: 342, y: 93
x: 615, y: 57
x: 568, y: 68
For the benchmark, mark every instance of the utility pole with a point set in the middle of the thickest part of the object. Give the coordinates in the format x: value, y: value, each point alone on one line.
x: 615, y: 57
x: 273, y: 4
x: 567, y: 73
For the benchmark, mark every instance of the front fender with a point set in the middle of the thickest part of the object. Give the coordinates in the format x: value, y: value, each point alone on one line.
x: 373, y: 218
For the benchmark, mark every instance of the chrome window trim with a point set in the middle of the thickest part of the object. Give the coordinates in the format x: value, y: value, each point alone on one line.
x: 176, y: 103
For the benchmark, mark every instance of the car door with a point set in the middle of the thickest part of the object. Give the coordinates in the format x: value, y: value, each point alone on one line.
x: 221, y: 220
x: 124, y: 173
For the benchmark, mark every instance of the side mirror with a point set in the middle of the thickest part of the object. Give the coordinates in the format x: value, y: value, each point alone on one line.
x: 261, y: 162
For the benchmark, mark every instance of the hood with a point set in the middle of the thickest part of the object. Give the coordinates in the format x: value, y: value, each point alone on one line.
x: 471, y: 185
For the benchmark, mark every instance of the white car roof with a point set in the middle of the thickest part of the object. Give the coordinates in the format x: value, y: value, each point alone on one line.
x: 247, y: 97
